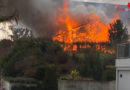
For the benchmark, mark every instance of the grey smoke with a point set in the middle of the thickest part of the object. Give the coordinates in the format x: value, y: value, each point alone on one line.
x: 100, y: 10
x: 37, y: 14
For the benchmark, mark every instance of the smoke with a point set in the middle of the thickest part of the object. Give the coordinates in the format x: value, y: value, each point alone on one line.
x: 85, y: 9
x: 37, y: 14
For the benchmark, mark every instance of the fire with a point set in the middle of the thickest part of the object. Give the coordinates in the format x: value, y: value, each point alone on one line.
x: 104, y: 49
x: 72, y: 31
x: 5, y: 30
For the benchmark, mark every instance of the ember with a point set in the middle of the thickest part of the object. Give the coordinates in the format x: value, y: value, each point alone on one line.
x: 72, y: 31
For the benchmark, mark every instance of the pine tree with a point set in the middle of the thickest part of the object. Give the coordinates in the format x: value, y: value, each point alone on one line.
x: 118, y: 33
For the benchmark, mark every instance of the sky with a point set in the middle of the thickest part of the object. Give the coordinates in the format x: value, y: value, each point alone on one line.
x: 122, y: 2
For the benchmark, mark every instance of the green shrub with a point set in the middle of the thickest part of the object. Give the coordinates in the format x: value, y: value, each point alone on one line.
x: 86, y: 70
x: 40, y: 73
x: 33, y: 53
x: 97, y: 68
x: 110, y: 73
x: 92, y: 66
x: 24, y: 87
x: 19, y: 87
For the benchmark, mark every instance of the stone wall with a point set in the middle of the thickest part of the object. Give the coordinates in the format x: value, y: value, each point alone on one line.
x: 85, y: 85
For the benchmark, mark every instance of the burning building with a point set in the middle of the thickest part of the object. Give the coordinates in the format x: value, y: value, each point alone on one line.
x: 83, y: 23
x: 75, y: 24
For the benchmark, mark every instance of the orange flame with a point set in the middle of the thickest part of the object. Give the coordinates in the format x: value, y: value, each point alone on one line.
x: 72, y: 31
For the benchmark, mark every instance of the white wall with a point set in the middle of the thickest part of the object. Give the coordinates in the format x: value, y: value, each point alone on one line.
x: 6, y: 85
x: 123, y: 63
x: 85, y: 85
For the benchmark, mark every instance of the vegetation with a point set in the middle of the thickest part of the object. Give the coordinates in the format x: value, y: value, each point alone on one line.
x: 23, y: 87
x: 45, y: 60
x: 34, y: 53
x: 38, y: 54
x: 118, y: 33
x: 51, y: 79
x: 92, y: 66
x: 110, y: 73
x: 74, y: 74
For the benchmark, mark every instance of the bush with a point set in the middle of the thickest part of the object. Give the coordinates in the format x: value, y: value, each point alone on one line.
x: 86, y: 70
x: 34, y: 53
x: 50, y: 80
x: 74, y: 74
x: 97, y: 68
x: 110, y: 73
x: 23, y: 87
x: 92, y: 66
x: 19, y: 87
x: 40, y: 73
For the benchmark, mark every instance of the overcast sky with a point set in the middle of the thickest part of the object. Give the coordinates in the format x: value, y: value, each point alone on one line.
x: 122, y: 2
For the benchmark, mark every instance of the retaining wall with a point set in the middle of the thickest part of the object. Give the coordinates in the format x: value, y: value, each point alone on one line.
x: 85, y: 85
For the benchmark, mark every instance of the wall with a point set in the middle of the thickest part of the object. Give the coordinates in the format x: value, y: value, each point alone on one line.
x: 123, y: 63
x: 5, y: 85
x: 85, y: 85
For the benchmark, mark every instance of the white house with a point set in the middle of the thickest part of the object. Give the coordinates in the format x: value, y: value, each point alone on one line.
x: 123, y: 67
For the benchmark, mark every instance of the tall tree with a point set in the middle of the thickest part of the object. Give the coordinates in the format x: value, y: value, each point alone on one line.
x: 118, y: 33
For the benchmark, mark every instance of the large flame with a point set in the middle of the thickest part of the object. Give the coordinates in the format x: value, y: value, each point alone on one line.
x: 71, y: 30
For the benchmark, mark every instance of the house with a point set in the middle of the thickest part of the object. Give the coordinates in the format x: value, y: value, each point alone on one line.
x: 123, y: 67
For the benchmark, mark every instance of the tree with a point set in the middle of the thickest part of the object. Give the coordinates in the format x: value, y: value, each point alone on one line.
x: 118, y: 33
x: 27, y: 55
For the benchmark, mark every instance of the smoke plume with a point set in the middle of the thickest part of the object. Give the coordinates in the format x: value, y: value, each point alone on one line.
x: 106, y: 12
x: 37, y: 14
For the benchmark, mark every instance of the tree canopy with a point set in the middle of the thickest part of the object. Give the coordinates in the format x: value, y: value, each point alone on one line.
x: 118, y: 32
x: 27, y: 55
